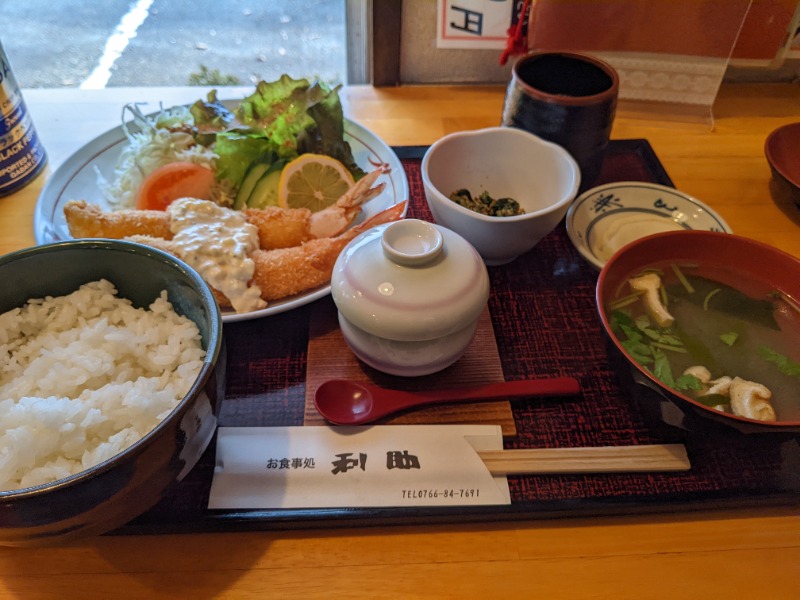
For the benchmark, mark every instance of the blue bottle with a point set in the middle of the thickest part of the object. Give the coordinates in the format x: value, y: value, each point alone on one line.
x: 22, y: 156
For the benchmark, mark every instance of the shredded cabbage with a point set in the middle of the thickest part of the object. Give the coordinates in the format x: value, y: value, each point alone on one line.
x: 151, y: 146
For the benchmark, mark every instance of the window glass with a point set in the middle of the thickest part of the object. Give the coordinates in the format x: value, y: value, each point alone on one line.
x: 74, y: 43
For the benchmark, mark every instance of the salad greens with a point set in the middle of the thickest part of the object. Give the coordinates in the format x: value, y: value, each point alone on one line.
x: 279, y: 121
x: 212, y: 112
x: 282, y: 120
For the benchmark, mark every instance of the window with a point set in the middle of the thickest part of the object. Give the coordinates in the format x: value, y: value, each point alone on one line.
x: 67, y: 43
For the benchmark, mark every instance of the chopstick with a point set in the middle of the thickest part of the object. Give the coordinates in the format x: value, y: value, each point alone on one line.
x: 598, y: 459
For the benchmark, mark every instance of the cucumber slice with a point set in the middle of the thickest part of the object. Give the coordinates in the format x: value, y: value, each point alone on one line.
x: 251, y: 177
x: 265, y: 192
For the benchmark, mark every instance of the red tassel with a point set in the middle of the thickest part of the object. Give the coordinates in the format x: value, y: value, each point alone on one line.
x: 516, y: 42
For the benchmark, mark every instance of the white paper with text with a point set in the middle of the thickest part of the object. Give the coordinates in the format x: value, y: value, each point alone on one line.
x: 474, y: 24
x: 334, y: 467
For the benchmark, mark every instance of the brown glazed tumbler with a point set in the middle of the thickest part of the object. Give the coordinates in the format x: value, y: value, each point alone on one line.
x: 566, y: 98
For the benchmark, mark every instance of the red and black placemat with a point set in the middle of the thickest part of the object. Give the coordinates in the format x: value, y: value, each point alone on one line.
x: 543, y: 312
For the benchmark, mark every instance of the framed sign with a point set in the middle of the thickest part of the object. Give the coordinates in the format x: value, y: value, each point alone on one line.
x: 476, y: 24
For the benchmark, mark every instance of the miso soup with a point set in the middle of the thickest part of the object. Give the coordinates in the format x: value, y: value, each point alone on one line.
x: 710, y: 317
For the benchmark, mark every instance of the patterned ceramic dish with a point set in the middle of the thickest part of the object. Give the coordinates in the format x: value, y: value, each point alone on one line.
x: 604, y: 219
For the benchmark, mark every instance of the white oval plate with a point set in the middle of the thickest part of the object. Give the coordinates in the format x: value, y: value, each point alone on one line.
x: 76, y: 179
x: 601, y: 206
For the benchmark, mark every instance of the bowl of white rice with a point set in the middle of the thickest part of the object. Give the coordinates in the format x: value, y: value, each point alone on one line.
x: 111, y: 376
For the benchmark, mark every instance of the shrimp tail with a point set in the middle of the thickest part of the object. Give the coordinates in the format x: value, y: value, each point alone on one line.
x: 285, y: 228
x: 335, y: 219
x: 388, y: 215
x: 363, y: 190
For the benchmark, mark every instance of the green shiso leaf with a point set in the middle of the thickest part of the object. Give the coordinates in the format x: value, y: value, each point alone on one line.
x: 786, y: 365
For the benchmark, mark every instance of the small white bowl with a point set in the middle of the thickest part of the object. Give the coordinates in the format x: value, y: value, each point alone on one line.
x: 604, y: 219
x: 506, y: 162
x: 409, y: 296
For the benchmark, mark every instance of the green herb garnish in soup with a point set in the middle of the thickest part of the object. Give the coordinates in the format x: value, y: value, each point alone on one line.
x: 486, y: 205
x: 733, y: 348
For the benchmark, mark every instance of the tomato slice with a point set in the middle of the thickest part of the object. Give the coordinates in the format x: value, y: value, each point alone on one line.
x: 175, y: 180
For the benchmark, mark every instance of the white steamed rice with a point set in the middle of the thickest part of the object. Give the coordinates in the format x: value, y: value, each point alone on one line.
x: 85, y: 376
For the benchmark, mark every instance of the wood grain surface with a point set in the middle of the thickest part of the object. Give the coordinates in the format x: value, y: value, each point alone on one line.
x: 589, y: 459
x: 710, y: 554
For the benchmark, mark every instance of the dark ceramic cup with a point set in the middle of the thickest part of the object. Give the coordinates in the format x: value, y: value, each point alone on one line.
x: 566, y: 98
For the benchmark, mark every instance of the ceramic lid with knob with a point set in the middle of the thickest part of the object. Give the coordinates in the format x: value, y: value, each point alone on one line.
x: 410, y: 281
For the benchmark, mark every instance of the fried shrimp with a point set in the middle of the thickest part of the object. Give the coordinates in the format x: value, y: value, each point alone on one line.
x: 277, y: 227
x: 255, y: 255
x: 89, y: 221
x: 280, y: 227
x: 285, y: 228
x: 335, y: 219
x: 284, y: 272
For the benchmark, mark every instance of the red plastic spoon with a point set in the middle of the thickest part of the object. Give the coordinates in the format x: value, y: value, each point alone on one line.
x: 348, y: 402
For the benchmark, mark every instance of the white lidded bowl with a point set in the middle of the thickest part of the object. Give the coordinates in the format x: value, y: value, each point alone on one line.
x: 506, y: 162
x: 605, y: 218
x: 409, y: 296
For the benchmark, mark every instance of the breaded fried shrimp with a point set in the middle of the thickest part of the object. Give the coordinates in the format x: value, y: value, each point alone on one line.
x: 288, y: 271
x: 296, y: 248
x: 89, y: 221
x: 277, y: 227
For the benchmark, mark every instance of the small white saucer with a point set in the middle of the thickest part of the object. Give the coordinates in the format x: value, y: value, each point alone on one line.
x: 605, y: 218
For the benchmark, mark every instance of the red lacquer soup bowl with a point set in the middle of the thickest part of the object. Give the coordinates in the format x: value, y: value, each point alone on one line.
x: 782, y: 149
x: 736, y: 306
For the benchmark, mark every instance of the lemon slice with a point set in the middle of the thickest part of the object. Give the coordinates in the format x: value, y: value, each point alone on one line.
x: 313, y: 181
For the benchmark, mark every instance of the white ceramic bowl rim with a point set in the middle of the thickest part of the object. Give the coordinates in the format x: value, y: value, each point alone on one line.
x: 567, y: 197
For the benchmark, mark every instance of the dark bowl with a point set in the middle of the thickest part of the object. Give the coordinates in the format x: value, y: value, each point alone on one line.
x: 113, y: 492
x: 743, y: 259
x: 782, y: 149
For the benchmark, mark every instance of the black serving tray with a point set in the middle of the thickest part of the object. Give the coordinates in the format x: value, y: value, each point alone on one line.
x: 545, y: 322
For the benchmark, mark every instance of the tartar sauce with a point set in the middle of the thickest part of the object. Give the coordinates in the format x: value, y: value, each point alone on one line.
x: 611, y: 234
x: 216, y: 241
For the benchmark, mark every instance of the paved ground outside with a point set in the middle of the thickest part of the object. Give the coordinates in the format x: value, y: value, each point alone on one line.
x: 74, y: 43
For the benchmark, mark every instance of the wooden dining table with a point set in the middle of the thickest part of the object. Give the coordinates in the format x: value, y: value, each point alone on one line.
x: 706, y: 553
